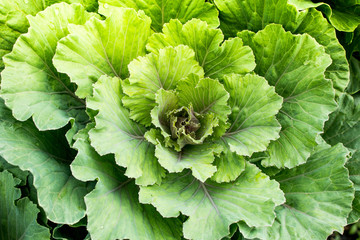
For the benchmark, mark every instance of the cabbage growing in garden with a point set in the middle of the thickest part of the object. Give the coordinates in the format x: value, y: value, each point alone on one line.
x: 192, y: 119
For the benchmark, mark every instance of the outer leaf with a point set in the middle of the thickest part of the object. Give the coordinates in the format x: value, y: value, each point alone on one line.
x: 318, y: 198
x: 237, y: 15
x: 354, y: 85
x: 212, y: 207
x: 354, y: 165
x: 344, y: 126
x: 113, y: 208
x: 116, y: 133
x: 153, y: 72
x: 343, y: 15
x: 31, y: 193
x: 13, y: 22
x: 162, y: 11
x: 254, y: 105
x: 295, y: 65
x: 18, y: 221
x: 102, y: 47
x: 313, y: 23
x: 90, y: 5
x: 15, y: 171
x: 304, y: 4
x: 198, y: 158
x: 351, y: 43
x: 59, y: 194
x: 254, y: 15
x: 230, y: 57
x: 44, y: 94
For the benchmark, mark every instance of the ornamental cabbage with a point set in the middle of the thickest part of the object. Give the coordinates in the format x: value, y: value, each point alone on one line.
x: 184, y: 119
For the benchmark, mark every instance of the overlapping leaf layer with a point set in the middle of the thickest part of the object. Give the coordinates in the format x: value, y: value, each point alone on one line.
x: 178, y: 119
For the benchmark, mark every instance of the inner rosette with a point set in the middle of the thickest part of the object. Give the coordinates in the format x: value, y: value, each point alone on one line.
x: 191, y: 113
x: 188, y: 126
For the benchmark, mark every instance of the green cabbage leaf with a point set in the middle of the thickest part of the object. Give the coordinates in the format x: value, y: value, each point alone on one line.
x: 177, y: 120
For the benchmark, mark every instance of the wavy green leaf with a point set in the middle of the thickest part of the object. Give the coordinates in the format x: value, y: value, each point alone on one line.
x: 254, y: 15
x: 344, y: 124
x: 18, y: 220
x: 229, y: 165
x: 102, y: 47
x: 304, y: 4
x: 353, y: 166
x: 344, y: 127
x: 116, y: 133
x: 14, y: 170
x: 354, y: 84
x: 318, y: 198
x: 152, y: 72
x: 198, y: 158
x: 90, y: 5
x: 13, y: 22
x: 59, y: 193
x: 44, y: 94
x: 113, y: 208
x: 212, y: 207
x: 230, y: 57
x: 295, y: 66
x: 313, y: 23
x: 343, y: 15
x: 162, y: 11
x: 254, y: 105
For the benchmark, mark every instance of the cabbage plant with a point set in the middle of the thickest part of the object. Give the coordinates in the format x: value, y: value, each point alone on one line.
x: 154, y: 120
